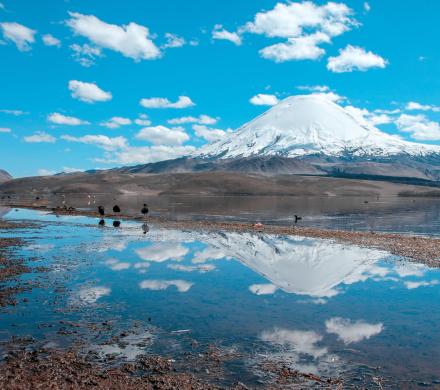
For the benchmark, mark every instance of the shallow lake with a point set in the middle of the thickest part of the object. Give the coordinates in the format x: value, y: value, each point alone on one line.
x: 317, y: 306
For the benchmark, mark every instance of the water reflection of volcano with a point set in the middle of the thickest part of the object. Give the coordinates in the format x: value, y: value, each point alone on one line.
x: 299, y: 265
x: 4, y: 211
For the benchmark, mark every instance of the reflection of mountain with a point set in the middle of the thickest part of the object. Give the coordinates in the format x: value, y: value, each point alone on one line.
x: 4, y: 211
x: 298, y: 265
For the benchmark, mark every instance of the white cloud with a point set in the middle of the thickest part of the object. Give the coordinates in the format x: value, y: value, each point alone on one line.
x: 115, y: 122
x: 5, y: 130
x: 291, y: 19
x: 14, y: 112
x: 147, y: 154
x: 39, y: 137
x: 332, y: 96
x: 209, y: 134
x: 132, y: 40
x: 88, y: 92
x: 299, y: 48
x: 201, y: 119
x: 181, y: 285
x: 263, y: 289
x: 303, y: 342
x: 61, y: 119
x: 305, y: 25
x: 71, y: 170
x: 85, y: 54
x: 50, y: 40
x: 173, y: 41
x: 413, y: 285
x: 142, y: 120
x: 21, y: 35
x: 314, y: 88
x: 419, y: 126
x: 414, y: 106
x: 367, y: 7
x: 101, y: 141
x: 369, y: 118
x: 221, y: 34
x: 182, y: 102
x: 355, y: 58
x: 161, y: 135
x: 264, y: 100
x: 350, y: 331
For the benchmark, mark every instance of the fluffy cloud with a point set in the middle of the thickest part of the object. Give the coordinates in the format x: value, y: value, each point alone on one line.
x: 39, y: 137
x: 5, y: 130
x: 419, y: 126
x: 50, y: 40
x: 161, y: 135
x: 221, y: 34
x: 355, y: 58
x: 201, y: 119
x: 102, y: 141
x: 147, y: 154
x: 156, y: 102
x: 369, y: 118
x: 45, y: 172
x: 88, y: 92
x: 142, y: 120
x: 209, y: 134
x: 61, y: 119
x: 352, y: 332
x: 263, y: 100
x: 163, y: 251
x: 173, y: 41
x: 305, y: 25
x: 85, y: 54
x: 181, y: 285
x: 132, y: 40
x: 89, y: 295
x: 414, y: 106
x: 300, y: 48
x: 314, y: 88
x: 115, y: 122
x: 21, y: 35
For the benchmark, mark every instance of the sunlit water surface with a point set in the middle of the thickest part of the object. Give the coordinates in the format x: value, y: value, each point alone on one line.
x: 318, y: 306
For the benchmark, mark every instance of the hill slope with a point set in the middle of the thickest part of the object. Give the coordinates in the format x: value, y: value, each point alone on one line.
x: 4, y: 176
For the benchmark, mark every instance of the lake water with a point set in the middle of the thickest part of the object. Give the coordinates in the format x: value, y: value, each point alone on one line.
x: 319, y: 307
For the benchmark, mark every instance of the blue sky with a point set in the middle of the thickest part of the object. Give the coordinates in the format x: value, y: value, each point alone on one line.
x: 69, y: 67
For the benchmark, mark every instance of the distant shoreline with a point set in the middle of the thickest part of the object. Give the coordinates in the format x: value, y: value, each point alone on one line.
x: 416, y: 248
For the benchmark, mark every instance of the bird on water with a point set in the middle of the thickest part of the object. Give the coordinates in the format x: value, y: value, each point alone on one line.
x: 144, y: 210
x: 116, y: 209
x: 101, y: 210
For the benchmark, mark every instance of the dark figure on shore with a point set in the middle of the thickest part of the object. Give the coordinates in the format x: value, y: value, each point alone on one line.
x: 101, y: 211
x: 116, y: 224
x: 297, y: 219
x: 144, y: 210
x: 145, y: 228
x: 116, y: 209
x: 101, y: 222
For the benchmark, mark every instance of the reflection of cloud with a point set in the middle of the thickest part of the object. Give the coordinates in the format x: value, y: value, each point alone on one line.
x: 192, y: 268
x: 303, y: 342
x: 181, y: 285
x: 162, y: 252
x: 89, y: 295
x: 128, y: 347
x: 263, y: 289
x: 352, y: 332
x: 42, y: 248
x: 209, y: 253
x: 115, y: 265
x: 413, y: 285
x: 408, y: 269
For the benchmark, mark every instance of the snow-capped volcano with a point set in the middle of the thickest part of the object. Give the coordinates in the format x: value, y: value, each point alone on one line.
x: 309, y: 125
